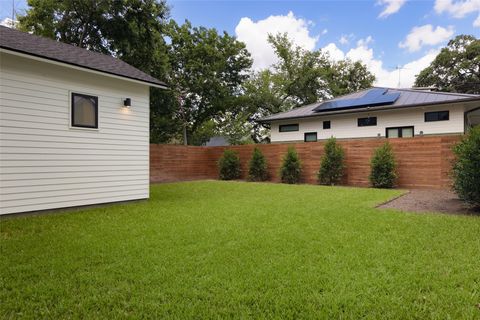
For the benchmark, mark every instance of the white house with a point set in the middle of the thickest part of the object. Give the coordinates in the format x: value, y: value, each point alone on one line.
x: 378, y: 112
x: 74, y: 126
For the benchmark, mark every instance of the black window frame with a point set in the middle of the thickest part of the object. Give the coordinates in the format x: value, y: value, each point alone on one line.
x: 437, y: 114
x: 360, y: 124
x: 400, y: 131
x: 307, y: 133
x: 288, y: 125
x: 72, y: 111
x: 327, y: 124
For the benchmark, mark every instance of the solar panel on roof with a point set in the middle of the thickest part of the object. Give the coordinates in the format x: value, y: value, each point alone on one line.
x: 373, y: 97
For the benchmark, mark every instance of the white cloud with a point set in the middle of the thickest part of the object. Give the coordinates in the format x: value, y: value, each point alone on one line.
x: 364, y: 42
x: 7, y: 22
x: 343, y: 40
x: 255, y: 34
x: 324, y: 31
x: 391, y: 7
x: 384, y: 77
x: 426, y: 35
x: 459, y: 9
x: 334, y: 52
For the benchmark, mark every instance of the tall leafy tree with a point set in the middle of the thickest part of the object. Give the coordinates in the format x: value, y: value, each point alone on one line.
x: 456, y: 68
x: 207, y: 70
x: 128, y: 29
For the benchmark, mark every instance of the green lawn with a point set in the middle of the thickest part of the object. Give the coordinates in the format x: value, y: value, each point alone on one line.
x: 242, y: 250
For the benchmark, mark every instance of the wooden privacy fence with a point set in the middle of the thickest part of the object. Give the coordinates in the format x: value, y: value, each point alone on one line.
x: 422, y: 162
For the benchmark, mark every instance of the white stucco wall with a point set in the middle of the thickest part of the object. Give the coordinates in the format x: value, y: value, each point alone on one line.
x: 345, y: 126
x: 46, y: 164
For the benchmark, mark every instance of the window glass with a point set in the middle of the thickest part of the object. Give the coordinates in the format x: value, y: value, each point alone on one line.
x: 288, y: 127
x: 437, y: 116
x: 84, y: 111
x: 407, y: 132
x: 392, y: 132
x: 310, y: 137
x: 326, y: 125
x: 364, y: 122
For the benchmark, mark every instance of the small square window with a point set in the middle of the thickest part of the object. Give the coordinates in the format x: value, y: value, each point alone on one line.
x: 326, y: 125
x: 310, y: 137
x: 288, y: 127
x: 84, y: 111
x: 365, y: 122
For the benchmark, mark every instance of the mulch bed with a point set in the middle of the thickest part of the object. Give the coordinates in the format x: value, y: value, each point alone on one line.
x: 417, y: 200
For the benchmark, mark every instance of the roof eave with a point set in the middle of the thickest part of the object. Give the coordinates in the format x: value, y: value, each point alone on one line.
x: 79, y: 67
x: 369, y: 109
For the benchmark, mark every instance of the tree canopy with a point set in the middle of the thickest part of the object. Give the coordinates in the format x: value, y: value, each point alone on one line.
x: 456, y: 68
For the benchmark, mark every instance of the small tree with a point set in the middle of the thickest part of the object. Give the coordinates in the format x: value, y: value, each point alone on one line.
x: 291, y: 167
x: 229, y: 165
x: 332, y: 166
x: 466, y: 169
x: 257, y: 167
x: 383, y: 173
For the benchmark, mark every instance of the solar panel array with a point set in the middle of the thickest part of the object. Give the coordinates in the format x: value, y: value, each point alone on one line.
x: 373, y: 97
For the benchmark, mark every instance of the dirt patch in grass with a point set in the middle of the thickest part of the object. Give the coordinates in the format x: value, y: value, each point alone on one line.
x: 430, y: 200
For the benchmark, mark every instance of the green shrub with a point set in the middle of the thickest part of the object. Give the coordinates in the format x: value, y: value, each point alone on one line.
x: 229, y: 165
x: 332, y: 166
x: 291, y: 167
x: 466, y: 169
x: 257, y: 167
x: 383, y: 173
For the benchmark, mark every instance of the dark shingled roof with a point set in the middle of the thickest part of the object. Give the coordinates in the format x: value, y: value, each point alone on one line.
x: 406, y: 98
x: 26, y: 43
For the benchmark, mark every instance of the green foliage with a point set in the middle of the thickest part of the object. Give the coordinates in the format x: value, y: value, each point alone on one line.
x: 207, y: 70
x: 129, y: 29
x: 257, y: 167
x: 456, y: 68
x: 383, y: 167
x: 229, y: 165
x: 291, y: 167
x: 332, y: 166
x: 466, y: 170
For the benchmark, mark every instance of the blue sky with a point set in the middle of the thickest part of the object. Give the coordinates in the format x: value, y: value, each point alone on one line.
x: 407, y: 34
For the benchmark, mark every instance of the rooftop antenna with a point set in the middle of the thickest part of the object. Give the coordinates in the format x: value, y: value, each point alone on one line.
x: 13, y: 14
x: 399, y: 68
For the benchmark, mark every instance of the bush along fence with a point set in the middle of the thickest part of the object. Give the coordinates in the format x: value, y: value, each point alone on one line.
x: 421, y: 162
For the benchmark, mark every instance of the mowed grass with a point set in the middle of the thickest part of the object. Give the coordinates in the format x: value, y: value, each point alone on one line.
x: 242, y: 250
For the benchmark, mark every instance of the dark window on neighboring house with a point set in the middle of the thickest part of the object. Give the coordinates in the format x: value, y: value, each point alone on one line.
x: 326, y: 125
x: 365, y: 122
x: 84, y: 111
x: 310, y: 137
x: 288, y: 127
x: 400, y: 132
x: 437, y: 116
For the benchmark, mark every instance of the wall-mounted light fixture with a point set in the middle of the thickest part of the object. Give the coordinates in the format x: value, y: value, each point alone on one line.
x: 421, y: 133
x: 127, y: 103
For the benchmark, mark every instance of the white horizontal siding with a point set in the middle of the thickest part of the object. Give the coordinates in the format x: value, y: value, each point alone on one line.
x: 45, y: 164
x: 346, y: 126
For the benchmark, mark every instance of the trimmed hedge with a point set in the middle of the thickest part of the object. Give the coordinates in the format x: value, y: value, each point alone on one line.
x: 466, y: 169
x: 229, y: 165
x: 332, y: 166
x: 291, y: 167
x: 383, y: 167
x: 257, y: 167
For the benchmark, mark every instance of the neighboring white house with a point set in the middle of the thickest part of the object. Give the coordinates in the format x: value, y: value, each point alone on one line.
x: 74, y: 126
x: 378, y: 112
